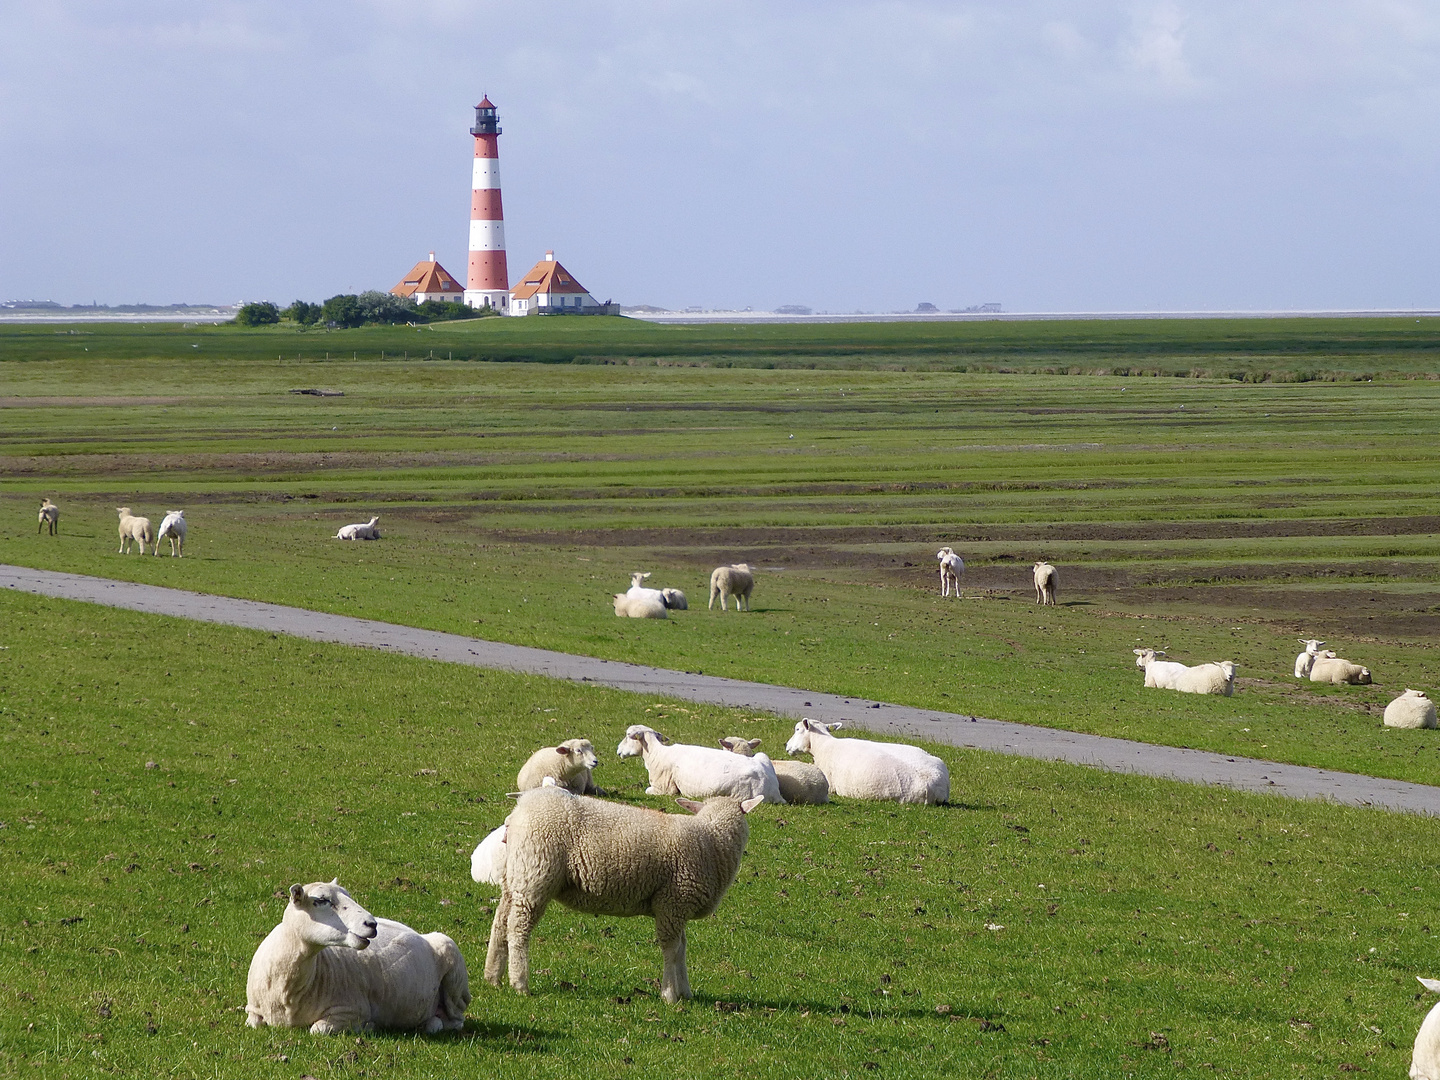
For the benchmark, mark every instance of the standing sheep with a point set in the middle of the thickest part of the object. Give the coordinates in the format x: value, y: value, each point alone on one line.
x: 363, y: 531
x: 1307, y: 658
x: 1412, y: 709
x: 799, y: 782
x: 951, y: 567
x: 133, y: 528
x: 1332, y: 669
x: 568, y: 764
x: 610, y: 859
x: 49, y: 515
x: 173, y: 528
x: 862, y: 769
x: 736, y: 580
x: 698, y: 772
x: 1047, y: 583
x: 379, y: 973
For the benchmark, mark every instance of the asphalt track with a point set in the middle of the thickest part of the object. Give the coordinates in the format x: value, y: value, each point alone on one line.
x: 953, y: 729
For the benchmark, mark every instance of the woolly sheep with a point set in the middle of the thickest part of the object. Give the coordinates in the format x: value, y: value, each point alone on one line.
x: 610, y: 859
x: 379, y: 973
x: 951, y: 567
x: 799, y: 782
x: 737, y: 580
x: 698, y: 772
x: 675, y: 600
x: 861, y: 769
x: 1047, y: 583
x: 568, y: 764
x: 172, y: 527
x: 1425, y: 1061
x: 1306, y: 658
x: 1216, y: 678
x: 49, y: 515
x: 487, y: 861
x: 133, y: 528
x: 365, y: 531
x: 1412, y: 709
x: 641, y: 606
x: 1332, y: 669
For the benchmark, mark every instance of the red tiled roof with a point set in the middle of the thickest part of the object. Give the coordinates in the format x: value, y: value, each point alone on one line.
x: 428, y: 277
x: 547, y: 276
x: 485, y: 103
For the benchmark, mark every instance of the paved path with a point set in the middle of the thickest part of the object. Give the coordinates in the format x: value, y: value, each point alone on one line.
x: 1116, y: 755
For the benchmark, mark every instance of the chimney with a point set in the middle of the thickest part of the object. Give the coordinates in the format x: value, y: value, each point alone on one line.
x: 432, y: 256
x: 549, y: 256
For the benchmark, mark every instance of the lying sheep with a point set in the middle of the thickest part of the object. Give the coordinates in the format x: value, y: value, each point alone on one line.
x: 1047, y: 583
x: 736, y: 580
x: 365, y: 531
x: 380, y: 974
x: 799, y: 782
x: 674, y: 599
x: 951, y: 567
x: 1425, y: 1060
x: 610, y: 859
x: 133, y: 528
x: 640, y: 606
x: 1412, y: 709
x: 568, y: 764
x: 1306, y: 658
x: 172, y: 527
x: 698, y: 772
x: 1215, y: 678
x: 1330, y: 668
x: 49, y: 515
x: 861, y: 769
x: 487, y: 861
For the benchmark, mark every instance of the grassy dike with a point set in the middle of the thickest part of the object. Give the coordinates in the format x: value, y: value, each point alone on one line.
x: 1147, y: 926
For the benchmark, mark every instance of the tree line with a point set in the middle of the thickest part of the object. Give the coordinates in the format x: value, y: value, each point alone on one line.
x: 363, y: 309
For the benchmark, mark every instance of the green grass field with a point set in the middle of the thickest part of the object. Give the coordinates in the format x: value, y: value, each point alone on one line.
x: 1219, y: 517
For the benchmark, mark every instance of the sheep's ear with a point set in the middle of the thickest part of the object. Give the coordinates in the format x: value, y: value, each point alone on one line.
x: 754, y: 743
x: 833, y: 727
x: 335, y: 881
x: 514, y: 794
x: 750, y: 804
x: 1138, y: 652
x: 689, y: 804
x: 724, y: 743
x: 563, y: 750
x: 1430, y: 984
x: 296, y: 892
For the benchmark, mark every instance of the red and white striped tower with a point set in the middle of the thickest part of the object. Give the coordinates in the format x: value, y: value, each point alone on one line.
x: 487, y: 283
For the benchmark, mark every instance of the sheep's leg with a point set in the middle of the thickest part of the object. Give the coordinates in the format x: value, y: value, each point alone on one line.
x: 336, y: 1022
x: 674, y: 980
x: 523, y: 918
x: 495, y: 954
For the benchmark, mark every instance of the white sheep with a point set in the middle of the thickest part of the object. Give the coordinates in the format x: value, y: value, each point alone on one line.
x: 1306, y: 658
x: 698, y: 772
x: 1329, y: 668
x: 951, y: 567
x: 862, y: 769
x: 568, y: 764
x: 363, y: 531
x: 49, y: 515
x: 133, y: 528
x: 172, y: 527
x: 1412, y: 709
x: 799, y: 782
x: 611, y: 859
x: 487, y: 861
x: 639, y: 602
x: 737, y: 580
x: 675, y: 600
x: 1214, y: 678
x: 379, y: 974
x: 1047, y: 583
x: 1425, y: 1061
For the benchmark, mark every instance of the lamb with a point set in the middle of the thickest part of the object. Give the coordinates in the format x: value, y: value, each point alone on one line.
x: 1216, y: 678
x: 365, y: 531
x: 799, y: 782
x: 381, y: 974
x: 610, y: 859
x: 1425, y: 1061
x: 675, y: 600
x: 1332, y: 669
x: 49, y: 515
x: 172, y: 526
x: 951, y: 567
x: 133, y: 528
x: 640, y: 606
x: 1306, y: 658
x: 861, y: 769
x: 736, y: 580
x: 1047, y: 583
x: 568, y: 764
x: 1412, y: 709
x: 698, y: 772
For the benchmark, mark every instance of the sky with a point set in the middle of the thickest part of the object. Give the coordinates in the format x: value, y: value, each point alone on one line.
x: 1152, y: 155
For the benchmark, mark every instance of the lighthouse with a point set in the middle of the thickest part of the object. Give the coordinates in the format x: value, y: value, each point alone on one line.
x: 487, y: 282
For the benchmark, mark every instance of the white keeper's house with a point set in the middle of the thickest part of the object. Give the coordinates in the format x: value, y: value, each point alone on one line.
x: 430, y: 281
x: 550, y: 289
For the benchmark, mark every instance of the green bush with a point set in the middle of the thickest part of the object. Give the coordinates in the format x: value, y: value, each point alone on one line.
x: 260, y: 313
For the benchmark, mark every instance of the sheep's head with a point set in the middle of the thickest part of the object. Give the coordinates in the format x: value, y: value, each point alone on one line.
x: 578, y: 753
x: 943, y: 554
x: 325, y: 914
x: 805, y: 730
x: 1228, y: 667
x: 1146, y: 657
x: 123, y: 511
x: 738, y: 744
x: 636, y: 578
x: 1312, y: 645
x: 633, y: 745
x: 1364, y: 675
